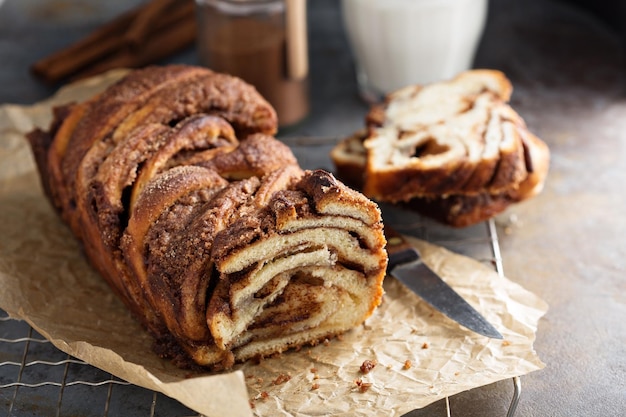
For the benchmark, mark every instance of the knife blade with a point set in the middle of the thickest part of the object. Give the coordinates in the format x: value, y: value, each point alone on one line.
x: 406, y: 265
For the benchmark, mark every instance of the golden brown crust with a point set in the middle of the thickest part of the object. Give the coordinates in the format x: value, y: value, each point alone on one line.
x: 96, y: 121
x: 204, y: 224
x: 197, y: 133
x: 161, y: 95
x: 255, y: 156
x: 158, y: 219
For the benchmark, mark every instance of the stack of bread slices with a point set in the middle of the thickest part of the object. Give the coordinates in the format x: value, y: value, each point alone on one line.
x: 453, y: 150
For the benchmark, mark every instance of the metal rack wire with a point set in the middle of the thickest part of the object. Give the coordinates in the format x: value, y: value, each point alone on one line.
x: 36, y: 379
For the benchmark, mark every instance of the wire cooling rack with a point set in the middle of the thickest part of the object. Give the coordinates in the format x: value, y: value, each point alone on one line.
x: 37, y: 379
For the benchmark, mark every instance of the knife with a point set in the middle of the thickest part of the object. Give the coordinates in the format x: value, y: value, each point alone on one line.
x: 406, y: 265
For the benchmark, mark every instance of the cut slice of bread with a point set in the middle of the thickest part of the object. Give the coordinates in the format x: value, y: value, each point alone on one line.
x: 444, y: 141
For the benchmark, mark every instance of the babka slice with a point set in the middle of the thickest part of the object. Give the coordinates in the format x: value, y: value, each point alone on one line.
x: 453, y: 149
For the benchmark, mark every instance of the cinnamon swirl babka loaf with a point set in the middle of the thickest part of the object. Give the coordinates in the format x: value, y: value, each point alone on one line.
x: 203, y: 223
x: 453, y: 150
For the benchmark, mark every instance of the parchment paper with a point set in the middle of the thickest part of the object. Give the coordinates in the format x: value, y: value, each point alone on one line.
x: 46, y: 281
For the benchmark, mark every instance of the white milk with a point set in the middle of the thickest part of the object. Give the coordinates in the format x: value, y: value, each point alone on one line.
x: 401, y: 42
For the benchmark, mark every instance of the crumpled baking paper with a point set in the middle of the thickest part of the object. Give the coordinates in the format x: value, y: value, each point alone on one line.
x: 421, y: 356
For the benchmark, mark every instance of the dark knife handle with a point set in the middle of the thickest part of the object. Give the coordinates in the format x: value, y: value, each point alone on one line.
x: 399, y: 249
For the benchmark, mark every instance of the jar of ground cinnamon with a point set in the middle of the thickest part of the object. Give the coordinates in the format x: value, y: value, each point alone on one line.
x: 263, y: 42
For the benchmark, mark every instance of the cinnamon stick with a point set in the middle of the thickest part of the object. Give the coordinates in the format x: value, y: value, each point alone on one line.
x: 140, y: 28
x: 160, y: 45
x: 99, y: 43
x: 103, y: 47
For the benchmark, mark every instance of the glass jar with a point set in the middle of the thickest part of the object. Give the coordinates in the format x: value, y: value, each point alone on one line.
x: 264, y: 42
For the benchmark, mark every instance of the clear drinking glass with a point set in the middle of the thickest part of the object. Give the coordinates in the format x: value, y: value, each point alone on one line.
x: 397, y: 43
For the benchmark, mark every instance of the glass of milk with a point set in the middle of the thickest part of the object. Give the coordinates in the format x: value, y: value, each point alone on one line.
x: 397, y: 43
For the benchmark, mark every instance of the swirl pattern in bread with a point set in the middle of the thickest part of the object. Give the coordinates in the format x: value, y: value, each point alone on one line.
x: 454, y: 150
x: 204, y: 224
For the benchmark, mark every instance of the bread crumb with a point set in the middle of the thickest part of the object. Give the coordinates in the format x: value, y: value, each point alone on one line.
x: 407, y: 364
x: 251, y: 404
x: 506, y: 343
x: 363, y: 386
x: 281, y: 379
x: 264, y: 395
x: 367, y: 366
x: 315, y: 386
x: 326, y: 342
x: 313, y: 370
x: 425, y: 345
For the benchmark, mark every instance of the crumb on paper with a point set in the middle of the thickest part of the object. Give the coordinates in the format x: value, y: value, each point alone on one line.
x: 281, y: 379
x: 326, y: 342
x: 315, y: 386
x: 313, y: 370
x: 407, y: 364
x: 362, y: 386
x: 506, y: 343
x: 263, y: 395
x: 425, y: 345
x: 367, y: 366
